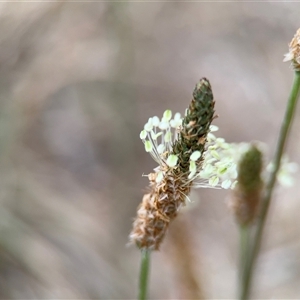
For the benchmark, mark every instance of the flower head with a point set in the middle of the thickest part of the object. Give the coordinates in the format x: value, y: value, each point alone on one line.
x: 189, y: 155
x: 159, y: 135
x: 177, y: 145
x: 215, y: 166
x: 294, y: 52
x: 247, y: 193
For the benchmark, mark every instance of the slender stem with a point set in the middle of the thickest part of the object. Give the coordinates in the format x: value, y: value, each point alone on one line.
x: 144, y: 274
x: 290, y: 109
x: 244, y: 252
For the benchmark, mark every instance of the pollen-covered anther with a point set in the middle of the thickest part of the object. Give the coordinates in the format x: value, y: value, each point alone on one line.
x: 172, y: 160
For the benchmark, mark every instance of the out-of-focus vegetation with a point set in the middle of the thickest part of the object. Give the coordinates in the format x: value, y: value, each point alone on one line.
x: 77, y: 83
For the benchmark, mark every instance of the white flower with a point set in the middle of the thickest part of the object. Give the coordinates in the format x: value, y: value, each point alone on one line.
x: 172, y: 160
x: 143, y: 134
x: 195, y: 155
x: 163, y: 125
x: 167, y: 129
x: 168, y: 137
x: 154, y: 135
x: 149, y: 125
x: 177, y: 121
x: 213, y: 128
x: 148, y: 146
x: 214, y: 180
x: 226, y: 184
x: 167, y: 115
x: 193, y: 166
x: 159, y: 177
x: 161, y: 148
x: 155, y: 121
x: 218, y: 166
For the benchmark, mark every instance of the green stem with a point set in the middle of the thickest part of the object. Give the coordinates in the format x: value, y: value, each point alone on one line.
x: 144, y: 274
x: 244, y: 252
x: 286, y: 124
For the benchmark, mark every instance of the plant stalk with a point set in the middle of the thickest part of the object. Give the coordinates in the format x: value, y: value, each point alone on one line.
x: 144, y: 274
x: 286, y: 124
x: 244, y: 252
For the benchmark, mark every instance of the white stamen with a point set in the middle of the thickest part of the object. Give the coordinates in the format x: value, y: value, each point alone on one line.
x: 195, y: 155
x: 143, y: 134
x: 148, y: 146
x: 172, y: 160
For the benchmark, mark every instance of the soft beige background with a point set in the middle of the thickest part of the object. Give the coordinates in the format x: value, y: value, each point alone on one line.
x: 77, y: 83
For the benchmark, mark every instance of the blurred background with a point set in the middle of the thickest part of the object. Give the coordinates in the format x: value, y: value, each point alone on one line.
x: 78, y: 81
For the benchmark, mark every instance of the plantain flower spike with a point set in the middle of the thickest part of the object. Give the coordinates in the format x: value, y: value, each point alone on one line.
x: 294, y: 52
x: 179, y: 155
x: 247, y: 192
